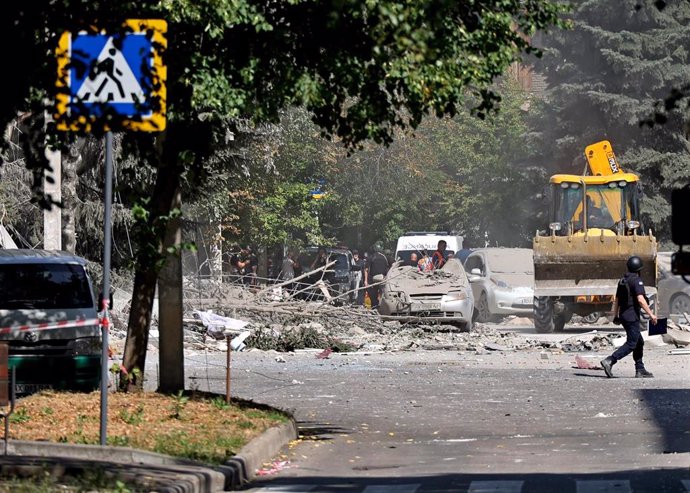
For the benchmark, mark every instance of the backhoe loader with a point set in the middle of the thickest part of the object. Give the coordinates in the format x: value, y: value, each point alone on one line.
x: 594, y: 228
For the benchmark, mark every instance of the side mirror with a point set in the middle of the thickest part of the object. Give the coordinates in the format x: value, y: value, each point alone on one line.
x: 476, y: 272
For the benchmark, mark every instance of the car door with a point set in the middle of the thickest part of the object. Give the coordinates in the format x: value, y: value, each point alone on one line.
x: 474, y: 262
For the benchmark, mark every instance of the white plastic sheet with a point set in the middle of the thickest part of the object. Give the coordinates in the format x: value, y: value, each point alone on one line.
x: 217, y: 325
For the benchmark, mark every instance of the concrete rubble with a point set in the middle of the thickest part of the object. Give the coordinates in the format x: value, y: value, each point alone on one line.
x: 235, y: 310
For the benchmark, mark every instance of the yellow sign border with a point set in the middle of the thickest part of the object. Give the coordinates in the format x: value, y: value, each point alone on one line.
x: 153, y: 123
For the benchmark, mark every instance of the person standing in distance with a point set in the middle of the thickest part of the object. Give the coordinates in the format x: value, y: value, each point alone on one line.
x: 358, y: 278
x: 439, y: 256
x: 630, y: 299
x: 377, y: 264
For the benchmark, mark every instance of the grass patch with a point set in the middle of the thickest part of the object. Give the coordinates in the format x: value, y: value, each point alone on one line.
x: 192, y: 425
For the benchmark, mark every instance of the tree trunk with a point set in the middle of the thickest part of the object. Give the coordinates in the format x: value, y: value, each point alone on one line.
x: 216, y: 262
x: 147, y: 267
x: 171, y: 347
x: 70, y: 162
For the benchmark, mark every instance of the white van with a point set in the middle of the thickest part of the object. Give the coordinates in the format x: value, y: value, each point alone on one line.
x: 420, y: 242
x: 49, y: 320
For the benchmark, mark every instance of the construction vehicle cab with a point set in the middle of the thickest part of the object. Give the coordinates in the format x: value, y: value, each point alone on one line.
x: 606, y: 205
x: 594, y: 228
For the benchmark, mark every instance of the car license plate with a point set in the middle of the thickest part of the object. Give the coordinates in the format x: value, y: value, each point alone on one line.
x: 30, y: 388
x: 426, y: 307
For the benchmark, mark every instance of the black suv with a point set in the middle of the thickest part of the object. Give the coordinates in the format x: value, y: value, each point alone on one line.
x: 338, y: 278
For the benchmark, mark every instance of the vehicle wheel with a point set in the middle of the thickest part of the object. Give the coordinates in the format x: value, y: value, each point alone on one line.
x: 543, y: 314
x: 483, y: 313
x: 680, y: 304
x: 592, y: 318
x: 559, y: 322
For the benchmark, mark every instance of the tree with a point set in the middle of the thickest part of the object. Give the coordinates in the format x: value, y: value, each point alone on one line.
x: 461, y: 174
x: 360, y: 68
x: 605, y: 76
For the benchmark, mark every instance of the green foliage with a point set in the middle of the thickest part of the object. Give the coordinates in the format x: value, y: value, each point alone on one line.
x: 182, y: 444
x: 133, y: 418
x: 220, y: 403
x: 360, y: 68
x: 301, y: 337
x: 119, y: 441
x: 120, y: 373
x: 179, y: 403
x: 460, y: 174
x: 20, y: 416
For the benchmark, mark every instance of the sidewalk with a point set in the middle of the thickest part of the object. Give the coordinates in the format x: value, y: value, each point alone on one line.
x: 160, y: 472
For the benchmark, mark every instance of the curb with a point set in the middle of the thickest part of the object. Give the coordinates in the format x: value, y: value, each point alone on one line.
x: 249, y: 459
x: 166, y: 473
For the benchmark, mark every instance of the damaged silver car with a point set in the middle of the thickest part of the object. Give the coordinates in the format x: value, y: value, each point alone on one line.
x: 502, y: 282
x: 442, y: 295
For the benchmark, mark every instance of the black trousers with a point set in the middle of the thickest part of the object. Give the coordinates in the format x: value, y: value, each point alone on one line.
x: 374, y: 294
x: 634, y: 344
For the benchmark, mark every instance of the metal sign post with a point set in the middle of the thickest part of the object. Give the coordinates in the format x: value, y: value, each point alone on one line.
x: 105, y: 319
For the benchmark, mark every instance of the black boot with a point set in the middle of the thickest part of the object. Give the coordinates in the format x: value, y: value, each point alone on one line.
x: 642, y: 373
x: 607, y: 365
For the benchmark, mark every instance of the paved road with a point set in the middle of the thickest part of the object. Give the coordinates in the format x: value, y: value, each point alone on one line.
x: 424, y: 421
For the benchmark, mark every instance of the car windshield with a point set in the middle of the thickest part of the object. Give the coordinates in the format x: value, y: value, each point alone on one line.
x: 44, y: 286
x: 511, y: 261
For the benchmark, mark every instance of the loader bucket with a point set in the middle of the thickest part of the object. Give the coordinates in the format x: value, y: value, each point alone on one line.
x: 580, y: 264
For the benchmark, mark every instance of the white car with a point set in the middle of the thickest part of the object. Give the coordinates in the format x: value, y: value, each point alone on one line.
x: 442, y: 295
x: 502, y: 281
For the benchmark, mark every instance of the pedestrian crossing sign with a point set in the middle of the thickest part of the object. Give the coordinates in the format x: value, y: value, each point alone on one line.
x: 112, y: 80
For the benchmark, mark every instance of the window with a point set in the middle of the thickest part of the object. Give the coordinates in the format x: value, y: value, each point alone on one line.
x: 44, y: 286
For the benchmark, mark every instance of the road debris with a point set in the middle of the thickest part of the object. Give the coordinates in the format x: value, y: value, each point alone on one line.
x: 583, y: 364
x: 677, y: 334
x: 294, y: 324
x: 273, y: 468
x: 324, y: 354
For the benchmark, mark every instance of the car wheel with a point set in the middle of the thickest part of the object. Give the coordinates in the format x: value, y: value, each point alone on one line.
x: 483, y: 312
x: 680, y: 304
x: 543, y: 314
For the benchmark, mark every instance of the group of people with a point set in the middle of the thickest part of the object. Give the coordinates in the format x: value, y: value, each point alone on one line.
x: 372, y: 269
x: 244, y: 264
x: 428, y: 263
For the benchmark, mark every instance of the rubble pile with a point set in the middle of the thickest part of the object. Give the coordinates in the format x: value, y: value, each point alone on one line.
x: 289, y: 324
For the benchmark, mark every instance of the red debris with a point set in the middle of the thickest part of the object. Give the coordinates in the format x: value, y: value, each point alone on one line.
x: 585, y: 365
x: 324, y: 354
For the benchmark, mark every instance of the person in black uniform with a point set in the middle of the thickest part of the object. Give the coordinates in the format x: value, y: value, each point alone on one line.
x: 629, y: 300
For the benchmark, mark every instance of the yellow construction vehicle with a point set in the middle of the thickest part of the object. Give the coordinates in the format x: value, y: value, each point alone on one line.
x: 594, y: 228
